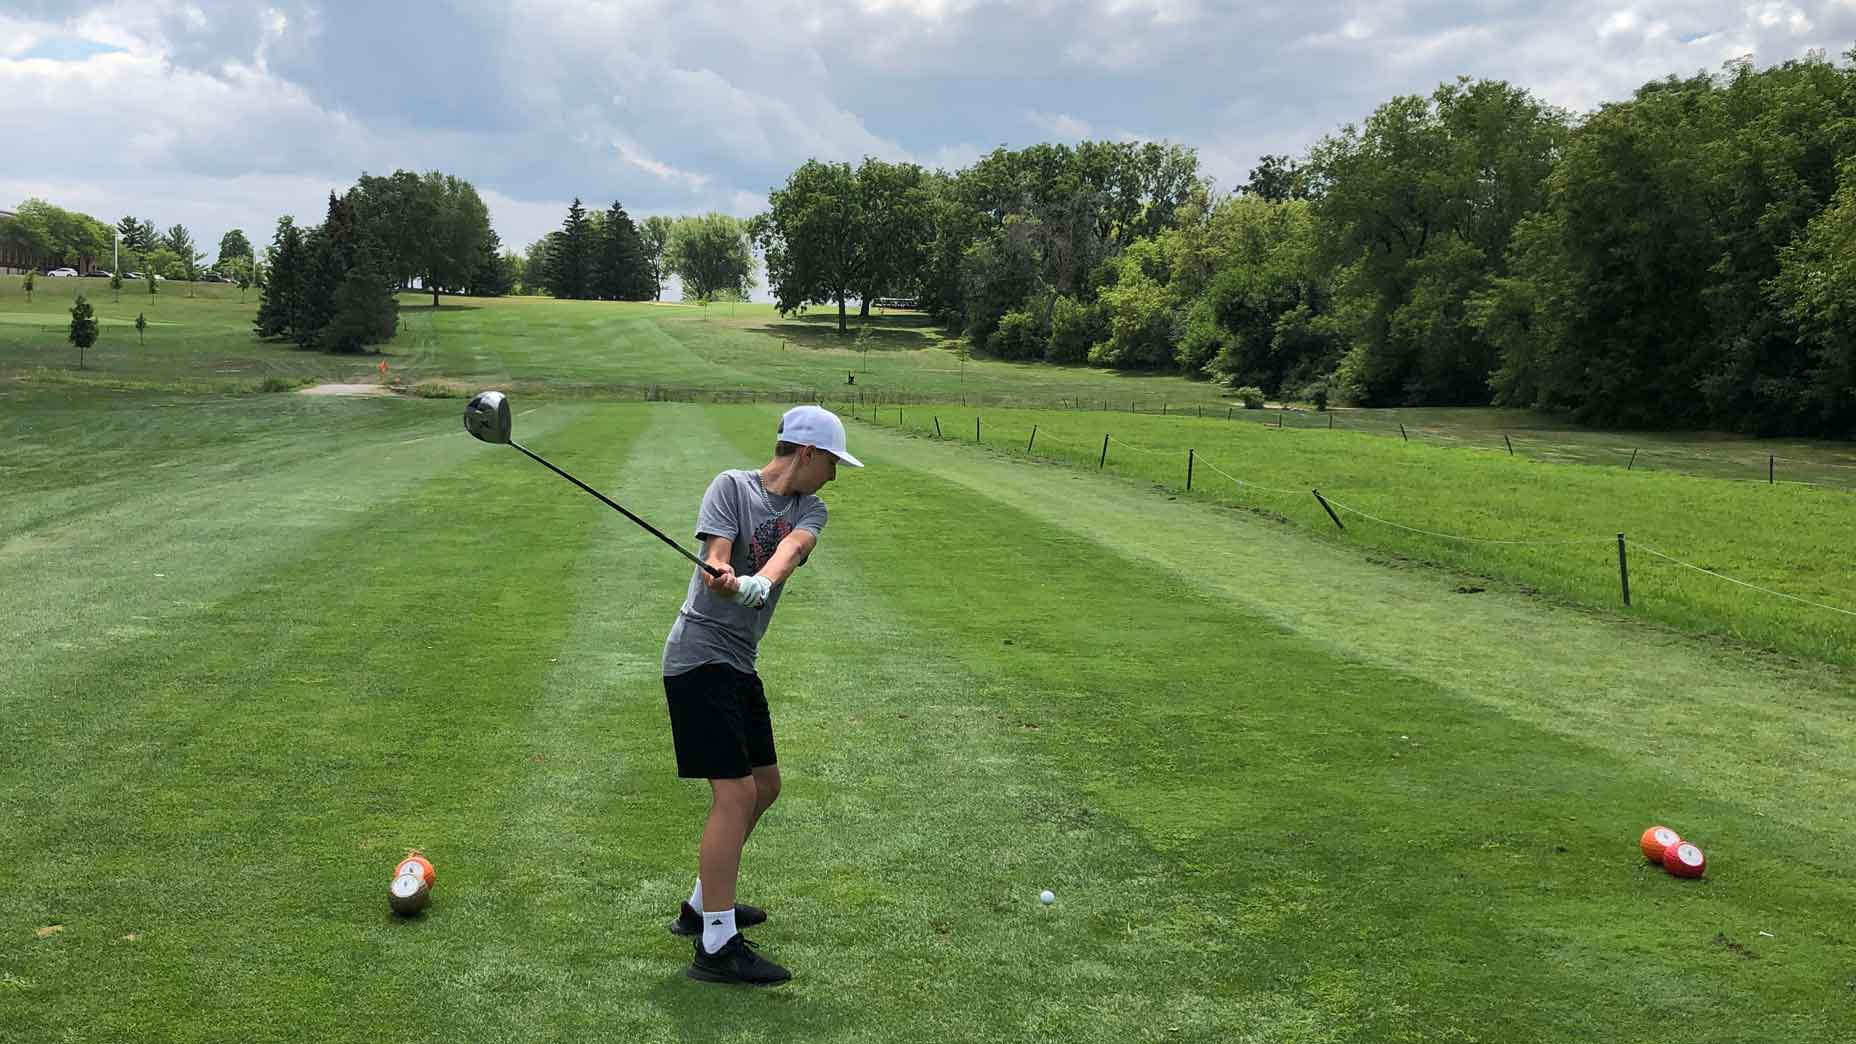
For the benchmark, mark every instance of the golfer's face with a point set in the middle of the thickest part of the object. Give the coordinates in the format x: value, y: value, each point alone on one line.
x: 820, y: 469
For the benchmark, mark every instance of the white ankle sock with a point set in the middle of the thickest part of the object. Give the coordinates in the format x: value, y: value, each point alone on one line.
x: 717, y: 929
x: 696, y: 896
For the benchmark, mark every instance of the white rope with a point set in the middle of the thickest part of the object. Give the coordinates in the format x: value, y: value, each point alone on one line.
x: 1247, y: 485
x: 1452, y: 536
x: 1721, y: 576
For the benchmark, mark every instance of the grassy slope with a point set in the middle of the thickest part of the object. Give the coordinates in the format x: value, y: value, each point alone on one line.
x: 1562, y: 519
x: 1281, y: 793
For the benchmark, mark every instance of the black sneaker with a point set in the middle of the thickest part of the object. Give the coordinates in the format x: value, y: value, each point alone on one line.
x: 736, y: 962
x: 689, y: 922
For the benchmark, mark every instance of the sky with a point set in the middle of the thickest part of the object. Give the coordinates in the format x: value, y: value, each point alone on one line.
x: 229, y: 115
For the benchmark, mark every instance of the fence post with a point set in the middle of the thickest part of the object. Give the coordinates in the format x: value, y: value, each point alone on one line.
x: 1032, y: 439
x: 1104, y: 459
x: 1401, y: 432
x: 937, y: 427
x: 1227, y: 412
x: 1162, y: 407
x: 1509, y: 444
x: 1623, y: 571
x: 976, y: 429
x: 1769, y: 468
x: 1279, y: 414
x: 1330, y: 511
x: 1190, y: 453
x: 1330, y: 422
x: 1633, y: 460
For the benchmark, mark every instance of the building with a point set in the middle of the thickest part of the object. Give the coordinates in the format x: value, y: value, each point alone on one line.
x: 15, y: 262
x: 11, y: 262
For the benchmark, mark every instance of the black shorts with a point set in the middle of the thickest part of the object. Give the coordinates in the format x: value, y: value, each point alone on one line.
x: 719, y: 722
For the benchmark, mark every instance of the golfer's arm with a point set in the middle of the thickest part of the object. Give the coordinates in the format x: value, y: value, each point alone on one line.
x: 715, y: 551
x: 786, y: 558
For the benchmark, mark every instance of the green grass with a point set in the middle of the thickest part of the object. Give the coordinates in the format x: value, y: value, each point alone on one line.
x: 535, y: 346
x: 1564, y: 517
x: 539, y: 345
x: 256, y: 647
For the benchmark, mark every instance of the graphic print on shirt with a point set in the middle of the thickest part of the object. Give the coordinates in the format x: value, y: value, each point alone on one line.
x: 766, y: 541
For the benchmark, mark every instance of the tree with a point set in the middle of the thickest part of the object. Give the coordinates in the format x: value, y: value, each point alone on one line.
x: 492, y: 276
x: 149, y: 277
x: 281, y: 302
x: 116, y: 286
x: 233, y: 246
x: 538, y: 269
x: 141, y: 324
x: 712, y: 256
x: 430, y: 227
x: 1277, y: 179
x: 163, y: 262
x: 83, y: 327
x: 619, y: 270
x: 814, y: 237
x: 1417, y: 207
x: 570, y: 260
x: 654, y: 235
x: 27, y: 284
x: 187, y: 257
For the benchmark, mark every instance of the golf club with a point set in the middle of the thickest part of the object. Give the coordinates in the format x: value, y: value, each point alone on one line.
x: 487, y: 417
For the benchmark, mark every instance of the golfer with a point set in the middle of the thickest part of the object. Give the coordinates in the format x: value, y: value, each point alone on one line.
x: 755, y: 527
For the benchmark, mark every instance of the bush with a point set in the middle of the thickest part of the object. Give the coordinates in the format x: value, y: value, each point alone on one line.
x: 1074, y: 329
x: 1320, y: 397
x: 279, y: 384
x: 1252, y: 396
x: 1019, y: 336
x: 1204, y: 340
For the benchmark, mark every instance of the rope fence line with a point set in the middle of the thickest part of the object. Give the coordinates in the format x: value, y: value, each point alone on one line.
x: 1641, y: 546
x: 1241, y: 483
x: 1460, y: 538
x: 1465, y: 539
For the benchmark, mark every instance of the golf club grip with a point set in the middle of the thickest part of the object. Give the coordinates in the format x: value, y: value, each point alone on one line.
x: 653, y: 530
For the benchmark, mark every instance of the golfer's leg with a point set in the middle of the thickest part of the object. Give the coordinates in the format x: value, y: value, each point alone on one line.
x: 731, y: 816
x: 766, y: 792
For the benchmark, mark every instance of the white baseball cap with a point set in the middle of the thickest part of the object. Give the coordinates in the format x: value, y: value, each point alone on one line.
x: 819, y: 427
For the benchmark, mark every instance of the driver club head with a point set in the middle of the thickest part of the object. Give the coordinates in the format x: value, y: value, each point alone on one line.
x: 487, y: 417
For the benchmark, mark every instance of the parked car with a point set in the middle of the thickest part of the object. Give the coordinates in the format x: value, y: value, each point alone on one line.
x: 62, y: 273
x: 101, y: 273
x: 132, y: 275
x: 214, y: 277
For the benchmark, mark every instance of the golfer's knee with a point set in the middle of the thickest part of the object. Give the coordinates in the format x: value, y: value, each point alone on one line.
x: 735, y: 797
x: 767, y: 791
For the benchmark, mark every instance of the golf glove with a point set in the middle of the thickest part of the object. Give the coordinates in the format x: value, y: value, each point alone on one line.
x: 752, y: 591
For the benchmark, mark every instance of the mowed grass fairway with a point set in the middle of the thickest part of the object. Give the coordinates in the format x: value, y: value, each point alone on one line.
x: 253, y: 648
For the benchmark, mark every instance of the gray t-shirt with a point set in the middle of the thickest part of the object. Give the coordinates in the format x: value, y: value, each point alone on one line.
x: 713, y: 628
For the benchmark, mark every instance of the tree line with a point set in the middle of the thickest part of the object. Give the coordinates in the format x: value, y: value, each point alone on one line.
x: 1685, y: 257
x: 46, y: 235
x: 606, y: 256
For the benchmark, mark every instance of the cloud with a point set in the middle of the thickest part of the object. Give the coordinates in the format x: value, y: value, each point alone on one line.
x: 221, y: 114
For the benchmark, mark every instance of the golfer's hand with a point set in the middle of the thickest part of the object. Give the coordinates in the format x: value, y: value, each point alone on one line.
x: 721, y: 582
x: 752, y: 591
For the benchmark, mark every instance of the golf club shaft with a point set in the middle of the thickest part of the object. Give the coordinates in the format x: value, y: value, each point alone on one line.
x: 653, y: 530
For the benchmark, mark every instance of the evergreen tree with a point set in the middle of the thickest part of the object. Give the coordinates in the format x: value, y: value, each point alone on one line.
x: 282, y: 299
x: 490, y: 276
x: 570, y: 268
x: 621, y: 272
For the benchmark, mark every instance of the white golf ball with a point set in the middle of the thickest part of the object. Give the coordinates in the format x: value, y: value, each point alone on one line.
x: 1046, y: 897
